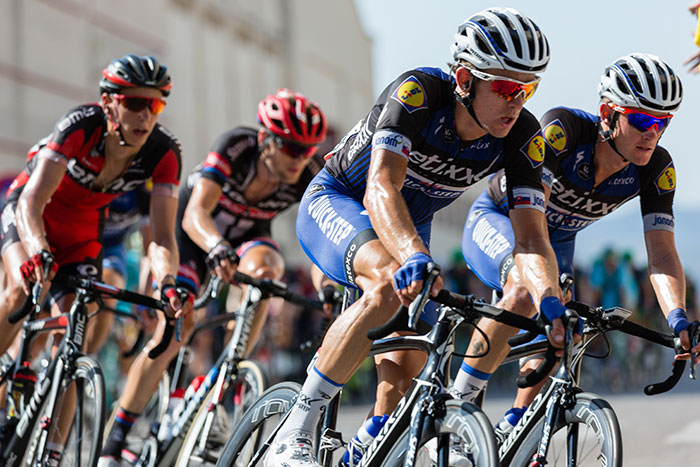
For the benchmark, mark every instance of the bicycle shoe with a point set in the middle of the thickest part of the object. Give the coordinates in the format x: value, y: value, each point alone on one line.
x: 296, y: 450
x: 458, y: 458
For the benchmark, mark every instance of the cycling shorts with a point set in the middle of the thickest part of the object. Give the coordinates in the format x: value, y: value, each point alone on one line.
x: 488, y: 240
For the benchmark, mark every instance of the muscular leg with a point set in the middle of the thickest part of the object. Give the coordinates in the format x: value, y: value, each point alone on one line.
x: 395, y: 371
x: 261, y: 262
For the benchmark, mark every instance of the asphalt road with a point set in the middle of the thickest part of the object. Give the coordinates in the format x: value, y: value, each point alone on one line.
x: 659, y: 431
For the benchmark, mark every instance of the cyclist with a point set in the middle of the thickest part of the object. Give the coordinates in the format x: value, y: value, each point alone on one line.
x: 225, y: 212
x: 53, y: 216
x: 365, y: 219
x: 593, y: 164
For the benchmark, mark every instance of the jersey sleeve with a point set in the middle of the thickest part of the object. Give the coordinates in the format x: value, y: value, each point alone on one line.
x: 226, y: 150
x: 405, y: 110
x: 658, y: 186
x: 523, y: 154
x: 74, y: 132
x: 557, y: 128
x: 166, y: 176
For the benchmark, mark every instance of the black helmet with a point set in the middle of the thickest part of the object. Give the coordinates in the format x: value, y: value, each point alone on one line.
x: 132, y: 71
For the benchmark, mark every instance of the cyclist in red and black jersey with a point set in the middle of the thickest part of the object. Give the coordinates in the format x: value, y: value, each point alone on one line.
x: 55, y: 209
x: 227, y: 205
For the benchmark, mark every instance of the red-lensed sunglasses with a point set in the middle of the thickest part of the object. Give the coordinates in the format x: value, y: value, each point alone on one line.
x: 294, y: 150
x: 508, y: 88
x: 643, y: 121
x: 138, y: 103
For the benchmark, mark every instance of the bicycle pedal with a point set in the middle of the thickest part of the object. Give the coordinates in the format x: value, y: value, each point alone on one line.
x: 331, y: 441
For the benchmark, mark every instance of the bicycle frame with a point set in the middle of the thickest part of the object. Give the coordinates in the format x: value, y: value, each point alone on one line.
x: 46, y: 389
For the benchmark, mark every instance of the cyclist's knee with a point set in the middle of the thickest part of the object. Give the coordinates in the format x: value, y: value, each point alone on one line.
x: 380, y: 297
x: 517, y: 299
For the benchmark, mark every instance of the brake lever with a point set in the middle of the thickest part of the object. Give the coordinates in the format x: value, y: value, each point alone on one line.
x: 693, y: 332
x: 432, y: 272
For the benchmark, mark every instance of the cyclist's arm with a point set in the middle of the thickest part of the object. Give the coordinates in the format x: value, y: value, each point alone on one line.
x: 534, y: 255
x: 35, y: 196
x: 387, y: 208
x: 145, y: 266
x: 197, y: 221
x: 162, y: 251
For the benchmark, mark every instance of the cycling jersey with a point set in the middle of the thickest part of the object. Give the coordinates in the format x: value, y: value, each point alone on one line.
x: 575, y: 202
x: 232, y: 163
x: 414, y: 118
x: 74, y: 217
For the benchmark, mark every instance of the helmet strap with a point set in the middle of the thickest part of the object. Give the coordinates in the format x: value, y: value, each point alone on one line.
x: 607, y: 134
x: 466, y: 101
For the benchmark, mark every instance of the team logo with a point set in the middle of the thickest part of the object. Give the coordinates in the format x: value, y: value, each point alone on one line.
x: 313, y: 189
x: 534, y: 149
x: 410, y: 94
x: 448, y: 135
x: 584, y: 171
x: 667, y: 180
x: 555, y: 136
x: 474, y: 215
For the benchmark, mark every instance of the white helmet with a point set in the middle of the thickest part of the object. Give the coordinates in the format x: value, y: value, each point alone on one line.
x: 501, y: 38
x: 641, y: 81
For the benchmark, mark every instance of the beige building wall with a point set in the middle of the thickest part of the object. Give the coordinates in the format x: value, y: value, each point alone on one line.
x: 224, y: 57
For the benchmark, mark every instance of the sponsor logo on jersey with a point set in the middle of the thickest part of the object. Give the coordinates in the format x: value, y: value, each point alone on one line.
x: 623, y: 181
x: 488, y: 239
x: 215, y: 161
x: 667, y: 180
x: 447, y: 134
x: 584, y: 171
x: 438, y: 170
x: 567, y: 199
x: 243, y: 210
x: 534, y: 149
x: 547, y: 176
x: 658, y: 221
x: 410, y: 95
x: 555, y: 136
x: 392, y: 141
x: 313, y: 189
x: 568, y: 222
x: 529, y: 198
x: 75, y: 117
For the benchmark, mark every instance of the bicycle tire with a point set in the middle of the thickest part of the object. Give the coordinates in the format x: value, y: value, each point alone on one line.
x: 228, y: 411
x: 153, y: 413
x: 462, y: 419
x: 90, y: 410
x: 599, y: 445
x: 249, y: 431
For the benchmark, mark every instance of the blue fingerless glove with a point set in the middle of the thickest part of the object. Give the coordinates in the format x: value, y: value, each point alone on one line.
x: 413, y: 269
x: 678, y: 321
x: 552, y: 308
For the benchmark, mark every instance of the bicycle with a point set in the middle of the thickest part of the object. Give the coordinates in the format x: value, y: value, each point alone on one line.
x: 196, y: 435
x: 425, y: 412
x: 565, y: 425
x: 25, y: 436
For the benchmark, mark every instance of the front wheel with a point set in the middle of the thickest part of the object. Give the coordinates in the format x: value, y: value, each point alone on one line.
x: 77, y: 420
x: 257, y: 424
x: 468, y: 429
x: 587, y: 435
x: 213, y: 424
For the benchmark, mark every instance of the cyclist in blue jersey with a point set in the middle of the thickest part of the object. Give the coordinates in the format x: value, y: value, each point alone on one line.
x: 365, y: 219
x: 593, y: 164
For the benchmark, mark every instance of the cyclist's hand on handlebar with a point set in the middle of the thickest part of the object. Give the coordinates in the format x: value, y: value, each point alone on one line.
x: 330, y: 297
x: 37, y: 268
x: 408, y: 279
x: 553, y: 311
x: 179, y: 299
x: 223, y: 261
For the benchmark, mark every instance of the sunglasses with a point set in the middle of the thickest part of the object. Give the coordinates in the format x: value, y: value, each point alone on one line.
x: 508, y: 88
x: 643, y: 121
x: 294, y: 150
x: 138, y: 103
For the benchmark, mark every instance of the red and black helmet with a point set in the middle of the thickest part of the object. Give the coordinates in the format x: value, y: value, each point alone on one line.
x: 132, y: 71
x: 291, y: 116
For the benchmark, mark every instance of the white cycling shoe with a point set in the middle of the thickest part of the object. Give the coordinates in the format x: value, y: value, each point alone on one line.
x: 297, y: 450
x: 458, y: 458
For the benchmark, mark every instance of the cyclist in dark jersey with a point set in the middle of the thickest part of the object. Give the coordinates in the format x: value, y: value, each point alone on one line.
x: 227, y: 205
x: 593, y: 164
x: 55, y: 210
x: 365, y: 219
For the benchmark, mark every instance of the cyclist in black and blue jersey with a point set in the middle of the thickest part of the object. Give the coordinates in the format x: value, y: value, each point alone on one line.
x: 365, y: 219
x: 593, y: 164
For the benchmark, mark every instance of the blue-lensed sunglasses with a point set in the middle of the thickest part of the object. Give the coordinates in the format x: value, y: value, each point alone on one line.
x: 643, y: 121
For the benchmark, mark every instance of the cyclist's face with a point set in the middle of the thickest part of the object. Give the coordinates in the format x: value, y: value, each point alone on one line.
x: 637, y: 146
x: 136, y: 126
x: 286, y: 168
x: 496, y: 114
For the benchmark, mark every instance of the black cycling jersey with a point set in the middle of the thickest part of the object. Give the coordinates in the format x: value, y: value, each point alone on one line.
x: 415, y: 118
x: 575, y: 202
